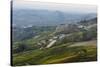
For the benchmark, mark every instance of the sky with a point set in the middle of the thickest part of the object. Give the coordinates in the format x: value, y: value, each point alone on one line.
x: 19, y: 4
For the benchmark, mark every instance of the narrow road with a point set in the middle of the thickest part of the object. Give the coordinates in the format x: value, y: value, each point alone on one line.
x: 51, y: 43
x: 87, y: 43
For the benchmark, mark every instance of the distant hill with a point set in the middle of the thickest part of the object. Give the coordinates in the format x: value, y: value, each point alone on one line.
x: 24, y: 17
x: 88, y: 22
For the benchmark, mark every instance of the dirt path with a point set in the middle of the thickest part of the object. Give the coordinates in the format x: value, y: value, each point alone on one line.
x: 87, y: 43
x: 51, y: 43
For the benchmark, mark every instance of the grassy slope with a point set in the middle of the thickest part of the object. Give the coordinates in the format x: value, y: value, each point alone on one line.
x: 58, y: 54
x: 32, y: 42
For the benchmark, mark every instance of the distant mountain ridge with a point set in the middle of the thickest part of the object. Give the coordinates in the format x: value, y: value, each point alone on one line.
x: 24, y: 17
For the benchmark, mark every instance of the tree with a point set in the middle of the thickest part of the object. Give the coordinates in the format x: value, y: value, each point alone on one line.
x: 21, y: 48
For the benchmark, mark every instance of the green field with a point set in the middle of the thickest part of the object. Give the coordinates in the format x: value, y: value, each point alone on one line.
x: 65, y: 53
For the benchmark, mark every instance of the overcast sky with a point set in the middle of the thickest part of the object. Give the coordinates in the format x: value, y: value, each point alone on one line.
x: 55, y: 6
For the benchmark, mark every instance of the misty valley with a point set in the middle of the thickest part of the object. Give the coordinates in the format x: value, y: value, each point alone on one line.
x: 55, y: 44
